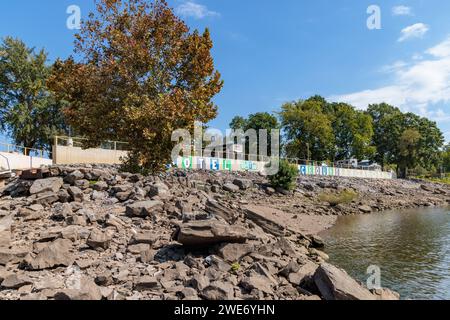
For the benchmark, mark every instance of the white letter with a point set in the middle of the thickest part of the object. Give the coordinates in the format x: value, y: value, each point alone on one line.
x: 74, y: 20
x: 374, y: 21
x: 374, y: 281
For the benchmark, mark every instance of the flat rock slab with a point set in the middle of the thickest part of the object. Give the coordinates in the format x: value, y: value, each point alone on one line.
x: 203, y: 233
x: 335, y: 284
x: 280, y: 223
x: 143, y: 208
x: 46, y: 185
x: 52, y: 255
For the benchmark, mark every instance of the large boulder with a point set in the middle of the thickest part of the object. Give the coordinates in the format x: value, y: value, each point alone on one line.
x: 76, y: 194
x: 204, y: 233
x: 335, y: 284
x: 234, y: 252
x: 98, y: 239
x: 72, y: 177
x: 216, y: 209
x: 143, y: 208
x: 15, y: 281
x: 46, y: 185
x: 51, y: 255
x: 243, y: 184
x: 158, y: 189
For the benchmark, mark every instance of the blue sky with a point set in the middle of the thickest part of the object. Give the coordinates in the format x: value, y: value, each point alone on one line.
x: 270, y: 52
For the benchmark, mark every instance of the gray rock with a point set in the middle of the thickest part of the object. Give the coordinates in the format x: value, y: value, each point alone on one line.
x: 46, y: 185
x: 335, y: 284
x: 98, y: 239
x: 71, y: 178
x: 147, y: 283
x: 231, y: 187
x: 218, y: 291
x: 76, y: 194
x: 199, y: 282
x: 5, y: 231
x: 158, y: 189
x: 16, y: 281
x: 234, y: 252
x: 143, y: 208
x: 257, y: 282
x: 204, y: 233
x: 385, y: 294
x: 243, y: 184
x: 46, y: 198
x: 100, y: 186
x: 365, y: 209
x: 51, y: 255
x: 83, y: 289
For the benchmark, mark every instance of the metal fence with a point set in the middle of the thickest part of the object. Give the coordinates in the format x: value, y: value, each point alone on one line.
x: 80, y: 142
x: 13, y: 148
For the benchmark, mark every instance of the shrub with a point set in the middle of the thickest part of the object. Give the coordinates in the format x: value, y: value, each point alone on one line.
x: 286, y: 178
x: 235, y: 267
x: 346, y: 196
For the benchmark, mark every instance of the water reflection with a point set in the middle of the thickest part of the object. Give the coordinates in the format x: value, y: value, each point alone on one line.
x: 412, y: 249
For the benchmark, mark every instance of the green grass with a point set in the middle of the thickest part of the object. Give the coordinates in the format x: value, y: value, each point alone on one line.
x: 344, y: 197
x: 445, y: 180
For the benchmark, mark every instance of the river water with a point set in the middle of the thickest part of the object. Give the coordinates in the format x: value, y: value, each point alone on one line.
x: 412, y: 249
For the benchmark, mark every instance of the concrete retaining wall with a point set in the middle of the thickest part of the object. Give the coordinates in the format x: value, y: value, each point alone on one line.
x: 216, y: 164
x: 75, y: 155
x: 21, y: 162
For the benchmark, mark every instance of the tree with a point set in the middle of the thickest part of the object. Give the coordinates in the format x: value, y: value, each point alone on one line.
x: 388, y: 127
x: 257, y: 121
x: 405, y: 139
x: 142, y: 75
x: 29, y: 113
x: 446, y: 158
x: 353, y: 130
x: 308, y: 130
x: 409, y: 150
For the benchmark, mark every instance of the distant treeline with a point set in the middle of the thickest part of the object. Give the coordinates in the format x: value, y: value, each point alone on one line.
x: 316, y: 129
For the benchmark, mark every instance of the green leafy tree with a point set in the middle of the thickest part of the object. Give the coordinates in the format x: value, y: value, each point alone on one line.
x: 257, y: 121
x: 29, y: 113
x: 308, y: 130
x: 408, y: 150
x: 388, y: 127
x: 353, y: 130
x: 405, y: 139
x: 446, y: 158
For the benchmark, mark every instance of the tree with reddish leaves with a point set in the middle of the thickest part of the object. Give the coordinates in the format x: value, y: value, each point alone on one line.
x: 140, y: 74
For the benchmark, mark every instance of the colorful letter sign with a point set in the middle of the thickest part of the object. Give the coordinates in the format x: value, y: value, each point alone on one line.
x: 215, y: 164
x: 227, y: 165
x: 187, y: 163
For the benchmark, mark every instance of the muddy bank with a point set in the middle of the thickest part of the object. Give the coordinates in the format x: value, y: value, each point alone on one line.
x: 93, y: 233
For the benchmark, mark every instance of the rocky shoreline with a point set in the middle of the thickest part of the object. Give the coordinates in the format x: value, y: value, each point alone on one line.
x: 92, y: 233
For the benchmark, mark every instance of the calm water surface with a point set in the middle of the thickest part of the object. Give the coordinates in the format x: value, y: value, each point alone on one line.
x: 412, y: 248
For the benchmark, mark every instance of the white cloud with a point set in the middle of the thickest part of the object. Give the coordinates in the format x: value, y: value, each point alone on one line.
x: 195, y: 10
x: 442, y: 50
x: 417, y: 30
x: 397, y: 65
x: 402, y: 11
x: 419, y: 86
